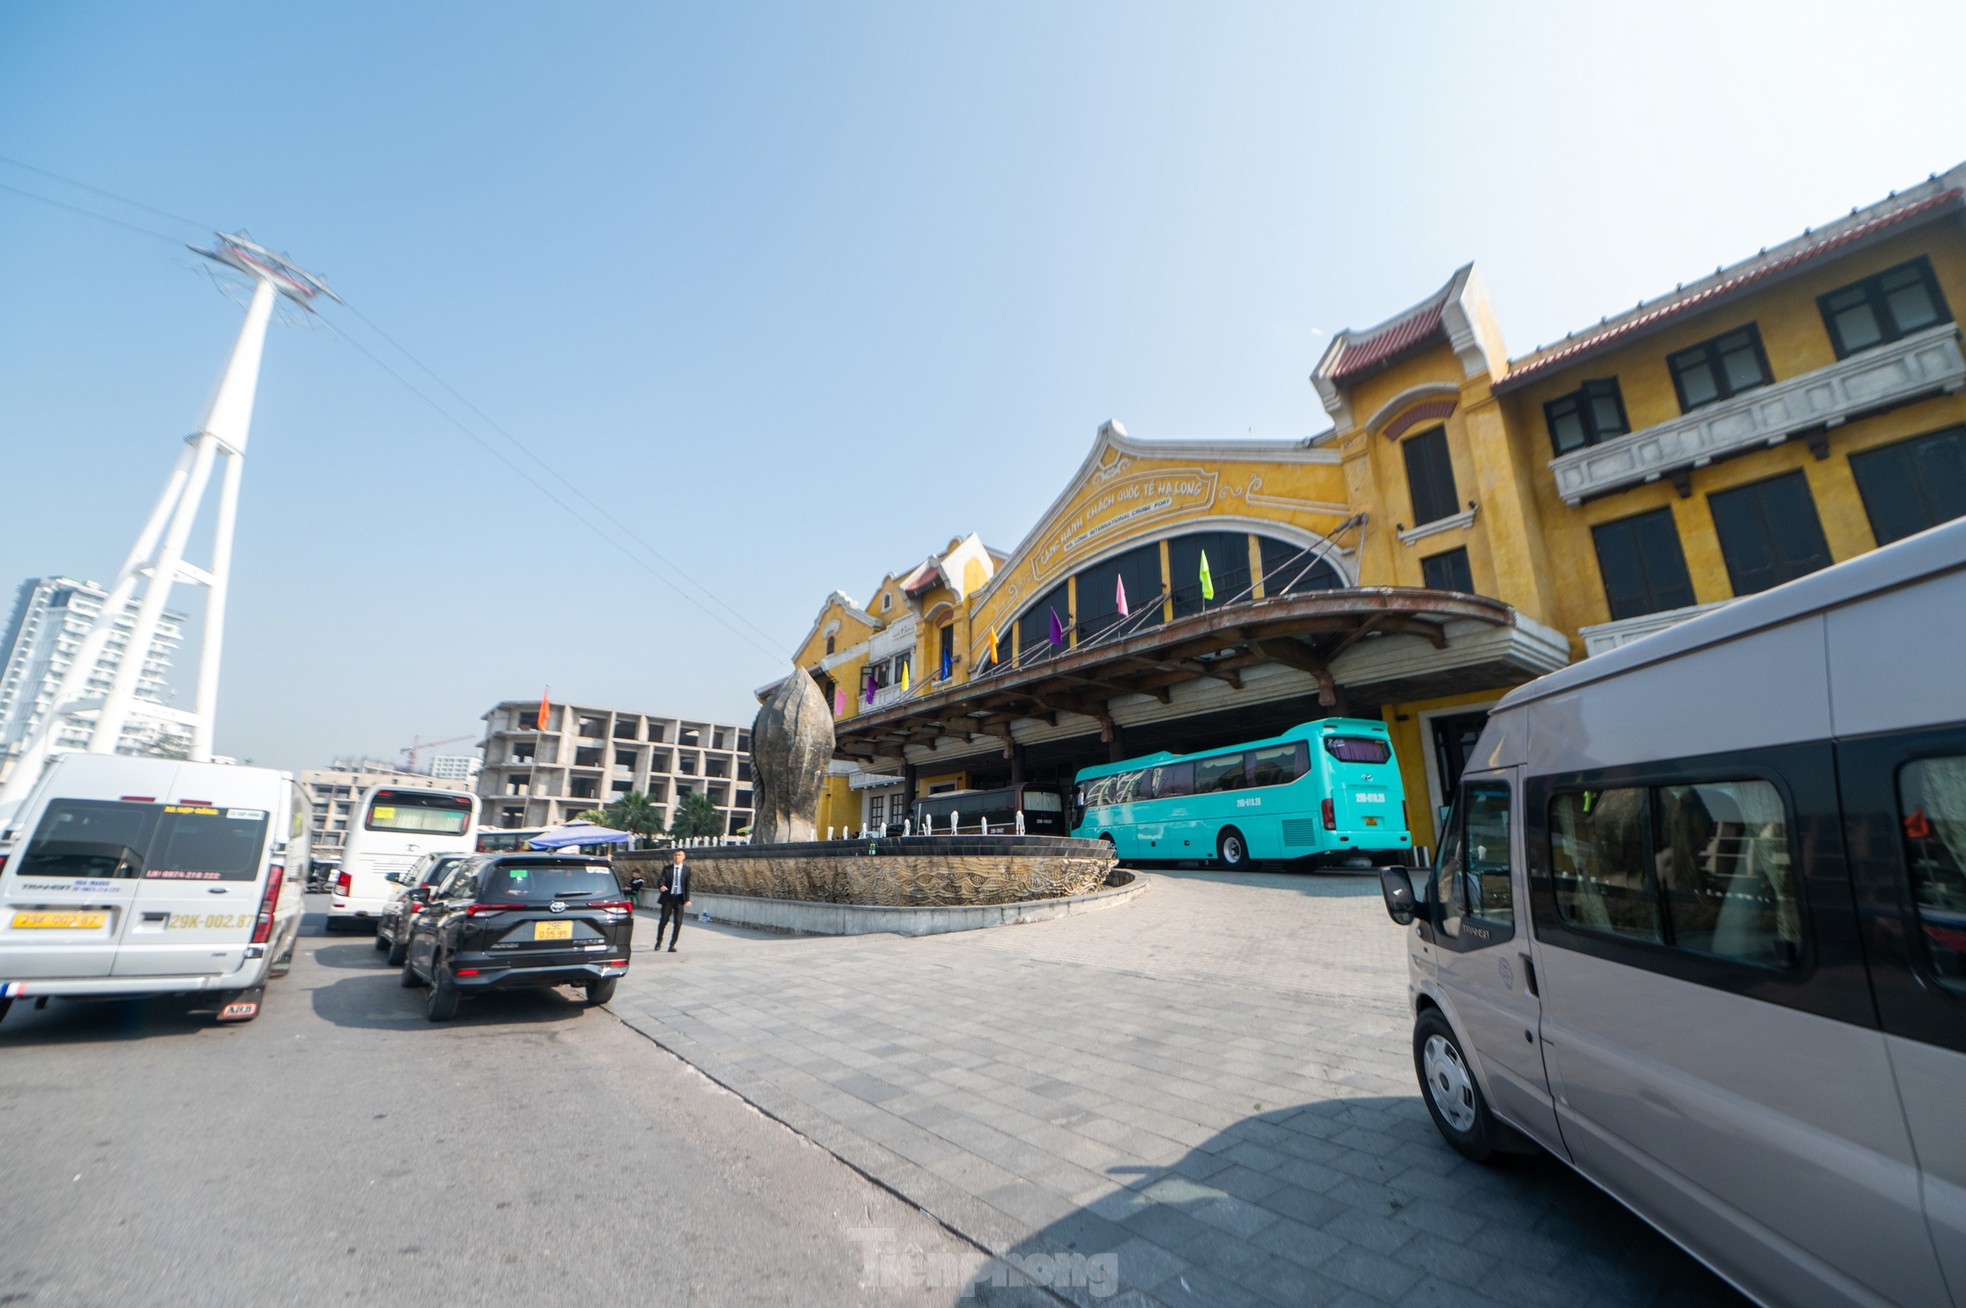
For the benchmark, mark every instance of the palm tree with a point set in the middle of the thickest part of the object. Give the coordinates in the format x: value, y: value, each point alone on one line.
x: 594, y: 815
x: 696, y: 815
x: 634, y: 813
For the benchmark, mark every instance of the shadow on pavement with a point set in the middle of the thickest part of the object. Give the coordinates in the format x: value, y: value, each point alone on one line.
x: 82, y: 1021
x: 1283, y: 1208
x: 380, y: 1002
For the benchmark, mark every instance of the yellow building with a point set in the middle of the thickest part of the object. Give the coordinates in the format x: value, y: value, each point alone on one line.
x: 1467, y: 523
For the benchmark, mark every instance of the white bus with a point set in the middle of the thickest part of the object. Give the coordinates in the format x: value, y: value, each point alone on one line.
x: 394, y: 827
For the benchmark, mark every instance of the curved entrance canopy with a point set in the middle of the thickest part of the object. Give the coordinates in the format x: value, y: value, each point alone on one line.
x: 1304, y: 654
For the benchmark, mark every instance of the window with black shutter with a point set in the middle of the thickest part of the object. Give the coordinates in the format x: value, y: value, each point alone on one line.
x: 1769, y: 532
x: 1882, y: 308
x: 1593, y: 412
x: 1643, y: 565
x: 1913, y: 484
x: 1719, y: 369
x: 1448, y: 570
x: 1430, y: 477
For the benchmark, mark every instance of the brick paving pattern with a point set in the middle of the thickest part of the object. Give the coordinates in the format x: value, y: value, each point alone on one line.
x: 1212, y: 1083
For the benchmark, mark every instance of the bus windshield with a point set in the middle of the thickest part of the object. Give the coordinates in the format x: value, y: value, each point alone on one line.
x: 445, y: 815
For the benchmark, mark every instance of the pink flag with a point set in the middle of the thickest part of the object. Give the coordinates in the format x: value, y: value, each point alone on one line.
x: 839, y: 703
x: 1119, y: 593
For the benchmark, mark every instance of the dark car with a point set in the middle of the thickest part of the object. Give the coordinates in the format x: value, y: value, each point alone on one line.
x: 392, y: 929
x: 517, y: 921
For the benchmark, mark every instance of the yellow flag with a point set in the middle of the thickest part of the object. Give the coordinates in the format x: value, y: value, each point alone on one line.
x: 993, y: 644
x: 904, y: 676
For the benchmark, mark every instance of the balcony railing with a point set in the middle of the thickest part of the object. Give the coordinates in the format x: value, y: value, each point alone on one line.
x: 1608, y: 636
x: 1920, y: 364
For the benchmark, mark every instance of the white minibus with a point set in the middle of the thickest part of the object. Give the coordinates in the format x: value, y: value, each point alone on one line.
x: 133, y: 876
x: 391, y: 829
x: 1698, y: 928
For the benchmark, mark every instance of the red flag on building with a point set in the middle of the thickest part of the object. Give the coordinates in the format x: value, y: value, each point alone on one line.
x: 545, y: 707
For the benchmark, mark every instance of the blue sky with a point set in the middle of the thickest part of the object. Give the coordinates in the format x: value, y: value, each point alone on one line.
x: 801, y: 292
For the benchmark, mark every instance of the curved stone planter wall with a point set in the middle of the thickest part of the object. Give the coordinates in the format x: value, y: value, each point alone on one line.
x: 871, y: 919
x: 904, y: 872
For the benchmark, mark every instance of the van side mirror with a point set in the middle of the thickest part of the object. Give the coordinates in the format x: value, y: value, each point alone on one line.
x: 1397, y: 887
x: 420, y: 894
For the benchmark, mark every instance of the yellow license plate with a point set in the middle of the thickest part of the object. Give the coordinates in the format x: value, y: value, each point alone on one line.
x: 552, y: 931
x: 1372, y: 822
x: 61, y: 921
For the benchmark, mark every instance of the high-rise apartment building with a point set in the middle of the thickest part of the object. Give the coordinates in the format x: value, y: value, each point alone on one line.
x: 455, y: 767
x: 589, y: 757
x: 51, y: 615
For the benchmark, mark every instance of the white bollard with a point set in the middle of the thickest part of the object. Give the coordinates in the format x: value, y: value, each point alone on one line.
x: 1020, y: 821
x: 829, y: 833
x: 907, y: 826
x: 986, y: 826
x: 955, y: 821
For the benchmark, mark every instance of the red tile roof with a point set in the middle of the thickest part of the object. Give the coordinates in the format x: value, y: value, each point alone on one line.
x: 1720, y: 286
x: 1396, y: 337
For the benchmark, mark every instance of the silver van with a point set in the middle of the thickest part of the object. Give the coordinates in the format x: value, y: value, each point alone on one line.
x: 1698, y: 928
x: 134, y: 876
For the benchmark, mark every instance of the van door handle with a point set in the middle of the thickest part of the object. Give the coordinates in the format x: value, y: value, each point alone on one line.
x: 217, y: 890
x: 1529, y: 975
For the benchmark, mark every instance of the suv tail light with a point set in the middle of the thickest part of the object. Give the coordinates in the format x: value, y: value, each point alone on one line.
x: 481, y: 910
x: 263, y: 929
x: 342, y: 882
x: 3, y: 862
x: 618, y: 905
x: 1330, y: 811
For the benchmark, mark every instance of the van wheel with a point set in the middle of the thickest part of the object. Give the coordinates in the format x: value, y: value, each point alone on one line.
x: 599, y: 992
x: 381, y: 942
x: 1231, y: 850
x: 440, y: 1003
x: 1448, y: 1085
x: 409, y: 977
x: 399, y: 951
x: 285, y: 962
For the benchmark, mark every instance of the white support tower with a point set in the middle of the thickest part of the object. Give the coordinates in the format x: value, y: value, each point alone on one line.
x: 156, y: 561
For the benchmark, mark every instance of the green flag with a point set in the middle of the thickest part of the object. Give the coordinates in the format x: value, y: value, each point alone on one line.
x: 1207, y: 582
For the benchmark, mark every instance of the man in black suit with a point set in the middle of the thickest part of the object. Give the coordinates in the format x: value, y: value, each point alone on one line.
x: 672, y: 895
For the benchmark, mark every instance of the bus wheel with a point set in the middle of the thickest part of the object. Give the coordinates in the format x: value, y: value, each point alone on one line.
x: 1231, y: 850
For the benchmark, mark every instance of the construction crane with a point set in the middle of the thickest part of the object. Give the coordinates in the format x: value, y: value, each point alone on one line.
x: 417, y: 745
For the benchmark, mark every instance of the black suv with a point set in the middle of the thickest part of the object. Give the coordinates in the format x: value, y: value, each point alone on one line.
x: 392, y: 930
x: 509, y: 921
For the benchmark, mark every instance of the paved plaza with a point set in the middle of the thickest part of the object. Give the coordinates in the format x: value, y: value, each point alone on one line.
x: 1207, y: 1091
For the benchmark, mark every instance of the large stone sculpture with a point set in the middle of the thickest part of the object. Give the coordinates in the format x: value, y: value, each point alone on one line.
x: 791, y: 744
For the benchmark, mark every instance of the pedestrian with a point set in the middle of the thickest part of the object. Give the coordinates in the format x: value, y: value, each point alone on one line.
x: 672, y: 894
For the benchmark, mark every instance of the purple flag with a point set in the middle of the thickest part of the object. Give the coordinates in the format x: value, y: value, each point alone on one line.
x: 1119, y: 594
x: 870, y: 686
x: 1057, y: 629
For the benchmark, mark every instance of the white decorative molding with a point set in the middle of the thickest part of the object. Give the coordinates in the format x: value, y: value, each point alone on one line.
x: 1465, y: 518
x: 1251, y: 495
x: 1919, y: 364
x: 1607, y: 636
x: 1407, y: 398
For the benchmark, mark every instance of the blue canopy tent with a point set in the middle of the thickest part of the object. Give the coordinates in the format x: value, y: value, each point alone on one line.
x: 579, y: 833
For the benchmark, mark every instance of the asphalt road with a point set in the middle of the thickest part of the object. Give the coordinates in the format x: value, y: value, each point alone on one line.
x: 343, y: 1149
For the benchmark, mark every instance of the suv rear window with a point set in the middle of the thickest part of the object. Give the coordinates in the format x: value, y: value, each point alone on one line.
x: 1357, y: 749
x: 544, y: 882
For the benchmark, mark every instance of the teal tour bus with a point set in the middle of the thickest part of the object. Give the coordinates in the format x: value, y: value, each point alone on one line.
x: 1326, y: 792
